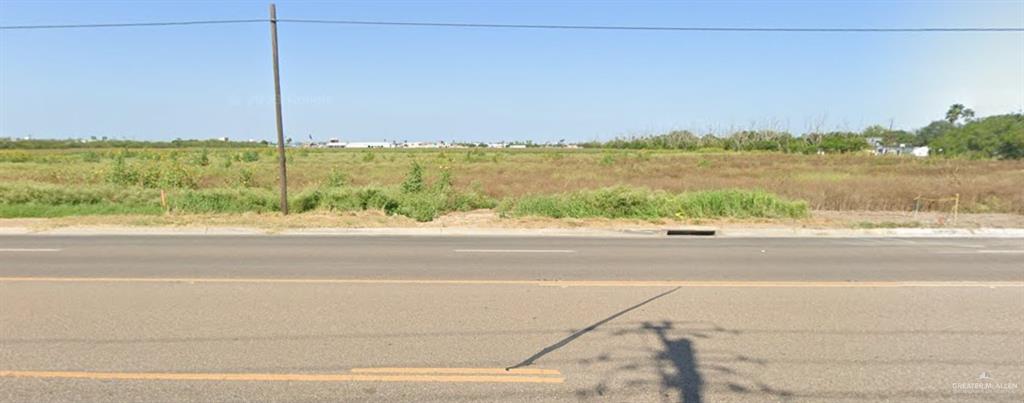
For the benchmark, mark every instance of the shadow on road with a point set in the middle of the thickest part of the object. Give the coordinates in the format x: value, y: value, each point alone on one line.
x: 588, y: 329
x: 678, y: 355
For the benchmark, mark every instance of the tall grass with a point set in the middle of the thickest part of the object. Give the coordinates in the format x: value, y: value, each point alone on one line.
x: 624, y: 202
x: 40, y: 200
x: 31, y: 200
x: 247, y: 200
x: 413, y: 198
x: 826, y: 182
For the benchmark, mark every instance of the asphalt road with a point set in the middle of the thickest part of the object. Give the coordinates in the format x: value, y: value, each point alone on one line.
x: 309, y: 318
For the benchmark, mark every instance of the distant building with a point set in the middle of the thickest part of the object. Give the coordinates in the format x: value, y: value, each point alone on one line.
x: 422, y: 144
x: 369, y: 144
x: 334, y: 143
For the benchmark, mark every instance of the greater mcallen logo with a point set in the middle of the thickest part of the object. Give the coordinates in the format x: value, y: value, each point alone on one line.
x: 985, y: 384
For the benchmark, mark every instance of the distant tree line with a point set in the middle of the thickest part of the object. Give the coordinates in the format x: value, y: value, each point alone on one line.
x: 39, y: 144
x: 960, y: 134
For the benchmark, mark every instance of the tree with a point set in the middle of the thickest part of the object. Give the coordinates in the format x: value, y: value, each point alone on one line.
x: 1000, y: 136
x: 957, y: 111
x: 934, y: 130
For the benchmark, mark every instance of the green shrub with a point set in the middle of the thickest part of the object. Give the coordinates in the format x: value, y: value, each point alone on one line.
x: 90, y: 156
x: 624, y: 202
x: 247, y: 156
x: 16, y: 156
x: 38, y: 200
x: 444, y: 182
x: 414, y: 179
x: 120, y: 173
x: 202, y: 159
x: 421, y: 206
x: 336, y: 178
x: 224, y: 201
x: 737, y: 204
x: 156, y: 175
x: 246, y: 178
x: 174, y: 176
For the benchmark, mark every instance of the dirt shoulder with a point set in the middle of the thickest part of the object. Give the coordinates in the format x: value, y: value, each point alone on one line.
x: 487, y: 219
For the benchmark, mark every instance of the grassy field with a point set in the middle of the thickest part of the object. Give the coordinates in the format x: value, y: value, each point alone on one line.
x: 531, y: 182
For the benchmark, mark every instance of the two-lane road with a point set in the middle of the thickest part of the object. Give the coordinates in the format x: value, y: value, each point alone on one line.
x: 355, y: 318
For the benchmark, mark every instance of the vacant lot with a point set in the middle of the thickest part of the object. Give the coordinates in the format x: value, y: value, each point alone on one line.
x: 134, y: 177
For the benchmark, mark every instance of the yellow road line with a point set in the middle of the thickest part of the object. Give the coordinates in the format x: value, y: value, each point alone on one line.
x: 174, y: 376
x: 545, y: 283
x: 494, y: 371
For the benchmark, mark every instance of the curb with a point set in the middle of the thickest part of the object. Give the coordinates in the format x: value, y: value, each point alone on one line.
x: 874, y: 233
x: 687, y: 233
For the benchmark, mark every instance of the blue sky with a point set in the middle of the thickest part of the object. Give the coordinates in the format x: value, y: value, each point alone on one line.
x: 373, y: 83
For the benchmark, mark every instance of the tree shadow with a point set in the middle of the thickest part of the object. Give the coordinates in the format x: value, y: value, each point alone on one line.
x: 677, y: 364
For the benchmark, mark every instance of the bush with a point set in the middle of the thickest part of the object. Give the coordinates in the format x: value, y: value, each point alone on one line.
x: 246, y: 178
x: 224, y: 201
x: 336, y: 178
x: 120, y: 173
x: 624, y: 202
x: 414, y: 179
x: 248, y: 156
x: 737, y: 204
x: 36, y: 200
x: 163, y: 175
x: 420, y: 206
x: 202, y: 159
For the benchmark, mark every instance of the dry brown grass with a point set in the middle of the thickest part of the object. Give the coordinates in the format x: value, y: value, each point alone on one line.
x: 827, y: 182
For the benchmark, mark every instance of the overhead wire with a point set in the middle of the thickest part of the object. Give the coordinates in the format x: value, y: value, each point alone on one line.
x: 521, y: 26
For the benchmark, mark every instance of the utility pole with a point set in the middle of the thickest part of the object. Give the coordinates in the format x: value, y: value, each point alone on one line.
x: 277, y: 104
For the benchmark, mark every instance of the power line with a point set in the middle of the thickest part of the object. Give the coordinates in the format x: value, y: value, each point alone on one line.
x: 526, y: 26
x: 648, y: 28
x: 132, y: 24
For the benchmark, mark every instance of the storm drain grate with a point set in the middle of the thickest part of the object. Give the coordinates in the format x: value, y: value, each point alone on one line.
x: 691, y: 232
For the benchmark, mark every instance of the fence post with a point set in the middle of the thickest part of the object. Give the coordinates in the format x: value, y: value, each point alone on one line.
x: 956, y: 207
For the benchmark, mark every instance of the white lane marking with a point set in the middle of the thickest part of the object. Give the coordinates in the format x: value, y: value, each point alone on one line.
x: 514, y: 251
x: 29, y: 250
x: 972, y: 252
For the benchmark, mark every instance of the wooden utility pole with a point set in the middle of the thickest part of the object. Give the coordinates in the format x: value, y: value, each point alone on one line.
x: 282, y: 161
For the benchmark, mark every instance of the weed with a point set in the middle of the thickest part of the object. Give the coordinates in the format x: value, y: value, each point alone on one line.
x: 623, y: 202
x: 90, y: 156
x: 336, y: 178
x: 413, y: 179
x: 246, y: 178
x: 247, y: 156
x: 202, y: 159
x: 444, y: 182
x: 120, y: 173
x: 224, y: 201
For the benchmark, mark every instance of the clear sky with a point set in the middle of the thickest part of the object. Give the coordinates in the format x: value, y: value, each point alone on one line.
x: 409, y: 83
